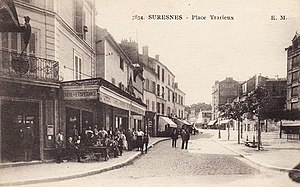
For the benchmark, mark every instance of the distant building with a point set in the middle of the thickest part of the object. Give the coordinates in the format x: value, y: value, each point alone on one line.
x: 293, y: 71
x: 223, y: 92
x: 252, y: 83
x: 203, y: 118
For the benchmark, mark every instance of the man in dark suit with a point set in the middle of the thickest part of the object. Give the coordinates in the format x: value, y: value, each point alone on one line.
x: 27, y: 141
x: 59, y: 142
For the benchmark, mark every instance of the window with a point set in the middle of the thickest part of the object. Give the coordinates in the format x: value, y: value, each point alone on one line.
x: 153, y: 106
x: 158, y: 72
x: 162, y: 92
x: 294, y: 106
x: 162, y: 109
x: 173, y: 97
x: 77, y: 67
x: 147, y: 86
x: 168, y: 111
x: 169, y: 82
x: 12, y: 42
x: 158, y: 89
x: 295, y: 92
x: 147, y: 103
x: 169, y: 95
x: 121, y: 64
x: 295, y: 61
x: 172, y: 82
x: 153, y: 87
x: 295, y: 76
x: 163, y: 74
x: 79, y: 18
x: 158, y: 107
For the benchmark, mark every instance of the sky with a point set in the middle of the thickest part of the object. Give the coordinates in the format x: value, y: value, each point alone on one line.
x: 199, y: 52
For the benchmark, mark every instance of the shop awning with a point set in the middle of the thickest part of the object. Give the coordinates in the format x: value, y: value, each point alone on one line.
x: 287, y: 123
x: 225, y: 121
x: 186, y: 122
x: 211, y: 122
x: 166, y: 121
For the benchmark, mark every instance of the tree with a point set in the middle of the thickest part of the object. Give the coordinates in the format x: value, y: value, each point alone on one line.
x: 256, y: 103
x: 234, y: 111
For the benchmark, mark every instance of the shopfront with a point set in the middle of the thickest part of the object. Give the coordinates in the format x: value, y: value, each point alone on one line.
x: 125, y: 113
x: 27, y: 124
x: 93, y: 102
x: 79, y: 108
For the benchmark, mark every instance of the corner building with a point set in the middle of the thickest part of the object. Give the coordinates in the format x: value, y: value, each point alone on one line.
x: 61, y: 47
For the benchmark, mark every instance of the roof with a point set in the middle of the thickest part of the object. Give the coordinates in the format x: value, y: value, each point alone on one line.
x: 109, y: 37
x: 276, y: 79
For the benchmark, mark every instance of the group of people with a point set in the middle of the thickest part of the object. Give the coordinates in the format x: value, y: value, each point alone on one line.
x: 185, y: 137
x: 138, y: 140
x: 114, y: 142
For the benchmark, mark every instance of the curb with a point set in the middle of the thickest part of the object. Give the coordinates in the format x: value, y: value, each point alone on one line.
x: 80, y: 175
x: 257, y: 163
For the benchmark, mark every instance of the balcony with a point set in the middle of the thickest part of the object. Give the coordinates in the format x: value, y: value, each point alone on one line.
x: 26, y: 67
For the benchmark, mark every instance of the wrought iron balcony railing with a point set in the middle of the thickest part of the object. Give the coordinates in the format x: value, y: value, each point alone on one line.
x: 16, y: 65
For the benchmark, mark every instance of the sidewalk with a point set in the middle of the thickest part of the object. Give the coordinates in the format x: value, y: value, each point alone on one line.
x: 49, y: 172
x: 277, y: 154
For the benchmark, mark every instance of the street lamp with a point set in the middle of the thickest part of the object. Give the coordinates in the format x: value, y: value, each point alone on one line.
x: 219, y: 124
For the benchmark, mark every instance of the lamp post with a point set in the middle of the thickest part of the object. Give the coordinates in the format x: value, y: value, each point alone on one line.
x: 219, y: 125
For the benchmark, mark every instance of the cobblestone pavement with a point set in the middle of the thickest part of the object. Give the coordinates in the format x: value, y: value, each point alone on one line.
x: 205, y: 163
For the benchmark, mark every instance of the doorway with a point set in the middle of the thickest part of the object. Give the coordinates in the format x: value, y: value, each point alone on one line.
x: 19, y: 117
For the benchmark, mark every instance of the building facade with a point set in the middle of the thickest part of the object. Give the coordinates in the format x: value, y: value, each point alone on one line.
x: 61, y: 47
x: 203, y: 118
x: 293, y: 64
x: 223, y: 92
x: 161, y: 93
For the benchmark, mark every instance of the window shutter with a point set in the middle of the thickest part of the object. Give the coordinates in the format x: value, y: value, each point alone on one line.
x: 78, y: 16
x: 32, y: 44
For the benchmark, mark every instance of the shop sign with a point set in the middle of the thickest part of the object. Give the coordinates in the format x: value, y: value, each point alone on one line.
x: 105, y: 98
x: 81, y: 94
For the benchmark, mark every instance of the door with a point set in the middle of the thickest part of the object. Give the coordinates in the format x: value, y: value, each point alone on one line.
x: 18, y: 117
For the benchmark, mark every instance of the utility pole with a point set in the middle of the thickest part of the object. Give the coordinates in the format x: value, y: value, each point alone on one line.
x: 258, y: 131
x: 239, y: 119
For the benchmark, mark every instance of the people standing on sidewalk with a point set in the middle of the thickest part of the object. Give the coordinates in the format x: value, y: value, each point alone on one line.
x: 59, y: 142
x: 185, y: 136
x: 134, y: 138
x: 146, y: 140
x: 120, y: 139
x: 139, y: 140
x: 129, y: 139
x: 27, y: 141
x: 174, y: 137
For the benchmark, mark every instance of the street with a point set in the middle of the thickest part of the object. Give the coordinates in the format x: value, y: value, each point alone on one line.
x: 205, y: 163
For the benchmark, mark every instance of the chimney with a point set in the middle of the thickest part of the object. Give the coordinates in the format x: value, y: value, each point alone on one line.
x: 145, y: 50
x: 157, y: 57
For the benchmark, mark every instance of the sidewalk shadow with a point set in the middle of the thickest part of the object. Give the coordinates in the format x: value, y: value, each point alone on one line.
x: 295, y: 175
